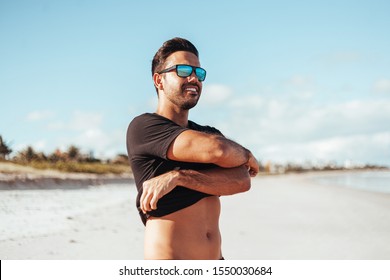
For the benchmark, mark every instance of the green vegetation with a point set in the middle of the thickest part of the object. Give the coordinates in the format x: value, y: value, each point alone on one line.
x: 79, y: 167
x: 275, y: 168
x: 4, y: 149
x: 72, y: 160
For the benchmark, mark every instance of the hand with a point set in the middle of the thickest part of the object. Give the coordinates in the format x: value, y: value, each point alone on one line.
x: 156, y: 188
x: 252, y: 165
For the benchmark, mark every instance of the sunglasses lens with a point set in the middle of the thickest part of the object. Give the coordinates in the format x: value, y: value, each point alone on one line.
x: 184, y: 70
x: 200, y: 73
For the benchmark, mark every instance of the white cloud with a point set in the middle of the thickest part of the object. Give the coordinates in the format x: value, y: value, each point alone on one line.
x: 92, y: 139
x: 152, y: 103
x: 287, y: 128
x: 300, y: 87
x: 39, y: 115
x: 40, y: 145
x: 357, y: 148
x: 299, y: 81
x: 344, y: 57
x: 215, y: 94
x: 91, y: 135
x: 82, y: 121
x: 56, y: 125
x: 382, y: 86
x: 85, y: 130
x: 103, y: 142
x: 78, y: 121
x: 251, y: 101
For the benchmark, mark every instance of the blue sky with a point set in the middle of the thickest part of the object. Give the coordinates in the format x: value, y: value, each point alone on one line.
x: 293, y: 81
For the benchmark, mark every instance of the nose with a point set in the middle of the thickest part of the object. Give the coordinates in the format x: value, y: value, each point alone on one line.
x: 193, y: 77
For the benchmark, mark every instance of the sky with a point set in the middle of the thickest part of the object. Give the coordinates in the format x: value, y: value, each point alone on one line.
x: 293, y: 81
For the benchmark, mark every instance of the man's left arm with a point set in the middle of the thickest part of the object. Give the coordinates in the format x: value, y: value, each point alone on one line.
x: 215, y: 181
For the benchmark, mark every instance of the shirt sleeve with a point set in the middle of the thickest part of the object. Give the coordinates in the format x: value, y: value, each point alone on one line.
x: 151, y: 135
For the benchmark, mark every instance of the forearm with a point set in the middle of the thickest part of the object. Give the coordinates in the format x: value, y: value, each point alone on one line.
x: 216, y: 181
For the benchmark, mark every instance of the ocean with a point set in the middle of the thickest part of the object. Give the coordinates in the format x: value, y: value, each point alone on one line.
x: 375, y: 181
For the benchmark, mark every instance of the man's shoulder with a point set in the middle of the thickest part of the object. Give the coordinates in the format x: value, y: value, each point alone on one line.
x: 149, y: 117
x: 150, y: 123
x: 203, y: 128
x: 144, y: 119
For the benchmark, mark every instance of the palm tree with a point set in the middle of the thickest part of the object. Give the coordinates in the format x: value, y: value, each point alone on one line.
x: 4, y: 149
x: 73, y: 153
x: 27, y: 155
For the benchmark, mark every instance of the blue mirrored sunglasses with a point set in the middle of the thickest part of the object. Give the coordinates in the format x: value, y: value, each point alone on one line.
x: 184, y: 70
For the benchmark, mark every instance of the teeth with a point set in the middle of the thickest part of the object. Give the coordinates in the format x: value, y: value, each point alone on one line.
x: 191, y: 89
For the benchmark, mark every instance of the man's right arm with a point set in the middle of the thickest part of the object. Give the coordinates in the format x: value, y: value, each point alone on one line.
x: 195, y: 146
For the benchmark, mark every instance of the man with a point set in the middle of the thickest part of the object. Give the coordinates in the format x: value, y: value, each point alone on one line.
x: 181, y: 168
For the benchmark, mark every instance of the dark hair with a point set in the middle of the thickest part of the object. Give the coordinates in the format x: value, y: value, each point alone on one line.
x: 168, y: 48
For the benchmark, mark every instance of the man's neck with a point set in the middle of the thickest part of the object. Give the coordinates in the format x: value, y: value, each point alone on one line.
x: 177, y: 116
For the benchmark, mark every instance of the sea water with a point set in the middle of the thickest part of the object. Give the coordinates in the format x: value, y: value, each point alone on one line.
x: 375, y: 181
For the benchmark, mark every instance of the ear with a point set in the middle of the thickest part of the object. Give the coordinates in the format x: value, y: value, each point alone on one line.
x: 157, y: 79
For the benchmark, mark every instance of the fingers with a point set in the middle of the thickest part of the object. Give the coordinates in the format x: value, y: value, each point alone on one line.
x: 148, y: 202
x: 144, y: 202
x: 253, y: 166
x: 155, y: 188
x: 153, y: 202
x: 149, y: 198
x: 253, y: 173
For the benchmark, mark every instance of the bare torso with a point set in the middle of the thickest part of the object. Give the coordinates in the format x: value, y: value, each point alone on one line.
x: 190, y: 233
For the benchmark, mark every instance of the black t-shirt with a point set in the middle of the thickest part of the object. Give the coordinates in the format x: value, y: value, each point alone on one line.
x: 148, y: 139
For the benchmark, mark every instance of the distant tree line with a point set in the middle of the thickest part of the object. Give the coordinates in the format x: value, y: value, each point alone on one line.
x: 72, y: 154
x: 5, y: 150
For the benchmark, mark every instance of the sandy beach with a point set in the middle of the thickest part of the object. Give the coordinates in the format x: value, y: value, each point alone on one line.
x: 282, y: 217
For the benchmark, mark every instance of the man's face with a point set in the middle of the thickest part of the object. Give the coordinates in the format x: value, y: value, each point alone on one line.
x: 183, y: 92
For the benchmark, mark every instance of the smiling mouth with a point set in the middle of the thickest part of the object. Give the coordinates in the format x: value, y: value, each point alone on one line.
x: 194, y: 90
x: 191, y: 89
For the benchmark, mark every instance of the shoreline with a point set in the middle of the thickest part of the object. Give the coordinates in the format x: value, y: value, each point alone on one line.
x: 13, y: 176
x: 62, y: 183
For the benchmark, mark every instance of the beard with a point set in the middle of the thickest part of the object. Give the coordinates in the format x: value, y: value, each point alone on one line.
x: 188, y: 104
x: 182, y: 101
x: 184, y: 104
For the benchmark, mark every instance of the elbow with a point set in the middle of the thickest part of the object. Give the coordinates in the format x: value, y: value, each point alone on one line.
x: 227, y: 154
x: 242, y: 186
x: 244, y: 179
x: 246, y: 184
x: 219, y: 154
